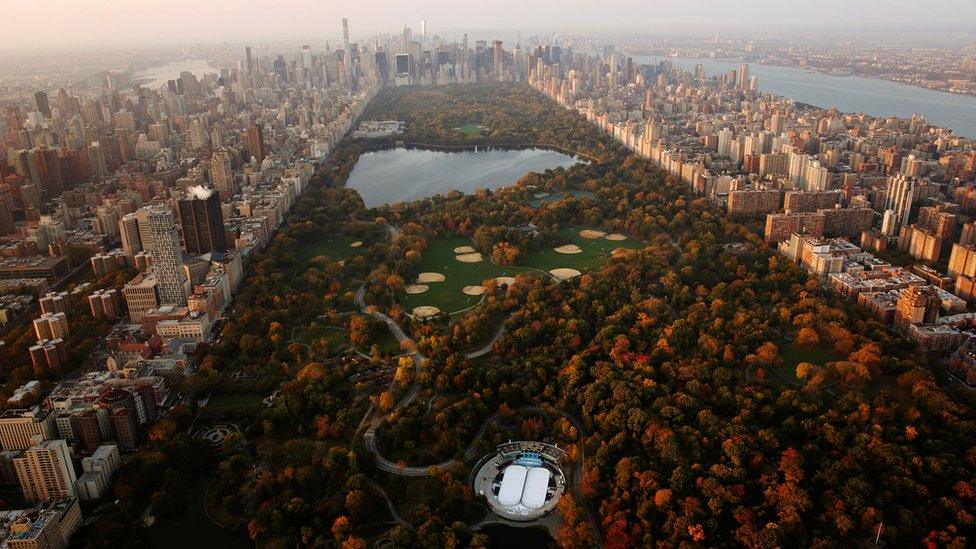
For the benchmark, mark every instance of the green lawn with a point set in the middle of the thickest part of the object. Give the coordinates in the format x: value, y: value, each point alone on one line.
x: 471, y: 129
x: 820, y: 355
x: 792, y: 354
x: 557, y: 196
x: 387, y: 342
x: 448, y: 295
x: 338, y: 339
x: 333, y: 246
x: 595, y: 252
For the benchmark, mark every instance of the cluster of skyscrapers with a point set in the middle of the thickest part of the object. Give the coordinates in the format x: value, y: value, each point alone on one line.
x: 176, y: 187
x: 832, y: 187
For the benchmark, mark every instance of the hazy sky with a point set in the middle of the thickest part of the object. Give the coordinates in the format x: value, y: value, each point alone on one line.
x: 48, y: 24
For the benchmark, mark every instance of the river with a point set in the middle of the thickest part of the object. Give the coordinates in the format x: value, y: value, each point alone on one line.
x: 156, y: 77
x: 848, y: 93
x: 403, y: 175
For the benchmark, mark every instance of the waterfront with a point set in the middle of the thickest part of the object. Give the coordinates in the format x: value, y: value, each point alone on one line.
x: 848, y: 93
x: 403, y: 175
x: 157, y: 76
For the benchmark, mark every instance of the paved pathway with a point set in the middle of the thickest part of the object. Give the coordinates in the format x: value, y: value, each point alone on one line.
x: 384, y: 464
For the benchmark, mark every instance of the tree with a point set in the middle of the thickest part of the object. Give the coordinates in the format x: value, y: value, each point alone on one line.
x: 386, y: 401
x: 360, y: 330
x: 807, y: 337
x: 340, y: 528
x: 803, y: 370
x: 505, y: 253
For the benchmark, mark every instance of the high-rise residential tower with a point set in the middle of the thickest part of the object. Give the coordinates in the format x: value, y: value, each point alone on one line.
x: 45, y: 471
x: 346, y: 52
x: 202, y: 221
x: 164, y: 243
x: 255, y: 142
x: 222, y: 174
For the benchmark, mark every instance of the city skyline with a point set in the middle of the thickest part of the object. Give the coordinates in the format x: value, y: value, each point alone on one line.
x: 715, y: 288
x: 107, y: 24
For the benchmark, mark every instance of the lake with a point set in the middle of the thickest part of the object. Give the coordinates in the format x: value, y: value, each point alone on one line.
x: 156, y: 77
x: 404, y: 175
x: 848, y: 93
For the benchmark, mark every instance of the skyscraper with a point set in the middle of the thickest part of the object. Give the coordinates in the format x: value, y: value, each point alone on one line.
x: 222, y: 174
x: 346, y: 52
x: 129, y: 231
x: 45, y: 471
x: 255, y: 142
x: 202, y: 221
x: 42, y: 104
x: 44, y: 169
x: 96, y: 158
x: 899, y: 196
x: 498, y: 58
x: 164, y: 243
x: 250, y: 61
x: 743, y: 79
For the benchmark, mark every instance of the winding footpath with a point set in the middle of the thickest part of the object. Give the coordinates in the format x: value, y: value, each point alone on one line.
x: 482, y: 351
x: 384, y: 464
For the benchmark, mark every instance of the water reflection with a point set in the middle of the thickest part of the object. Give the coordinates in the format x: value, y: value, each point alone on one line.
x: 402, y: 175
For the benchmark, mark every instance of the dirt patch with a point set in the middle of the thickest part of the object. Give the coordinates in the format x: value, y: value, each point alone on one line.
x: 356, y: 244
x: 590, y: 234
x: 425, y: 311
x: 470, y: 258
x: 616, y: 237
x: 464, y: 250
x: 474, y: 290
x: 569, y: 249
x: 427, y: 278
x: 564, y: 274
x: 622, y: 252
x: 414, y: 289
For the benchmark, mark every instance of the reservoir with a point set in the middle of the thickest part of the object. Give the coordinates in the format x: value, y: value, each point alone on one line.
x: 848, y: 93
x: 404, y: 175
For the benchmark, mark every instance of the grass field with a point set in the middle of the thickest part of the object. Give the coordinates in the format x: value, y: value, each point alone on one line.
x: 595, y: 252
x: 556, y: 197
x: 471, y: 130
x: 792, y: 354
x: 387, y: 342
x: 333, y: 246
x: 448, y: 295
x: 337, y: 339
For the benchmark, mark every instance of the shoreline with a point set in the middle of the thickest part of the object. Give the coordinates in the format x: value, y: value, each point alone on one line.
x: 583, y: 157
x: 955, y: 108
x: 138, y: 78
x: 815, y: 70
x: 367, y: 148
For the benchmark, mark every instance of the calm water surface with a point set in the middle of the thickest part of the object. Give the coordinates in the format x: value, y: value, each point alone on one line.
x: 849, y: 93
x: 157, y: 76
x: 403, y: 175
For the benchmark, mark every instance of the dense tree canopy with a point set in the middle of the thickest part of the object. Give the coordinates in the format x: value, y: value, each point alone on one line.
x: 701, y: 428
